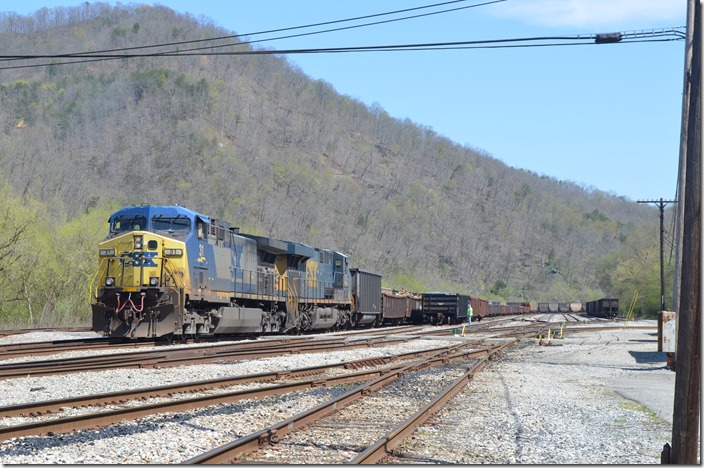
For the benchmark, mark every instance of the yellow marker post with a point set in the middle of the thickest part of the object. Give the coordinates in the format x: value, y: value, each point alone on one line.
x: 463, y: 328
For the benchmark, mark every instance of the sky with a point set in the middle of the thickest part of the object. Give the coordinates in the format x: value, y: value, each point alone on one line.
x: 604, y: 116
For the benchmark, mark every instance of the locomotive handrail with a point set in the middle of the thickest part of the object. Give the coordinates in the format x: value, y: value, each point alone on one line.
x: 93, y: 286
x: 167, y: 266
x: 292, y: 298
x: 178, y: 287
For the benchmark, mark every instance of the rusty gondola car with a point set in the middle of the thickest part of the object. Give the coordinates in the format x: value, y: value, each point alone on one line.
x: 398, y: 307
x: 480, y: 308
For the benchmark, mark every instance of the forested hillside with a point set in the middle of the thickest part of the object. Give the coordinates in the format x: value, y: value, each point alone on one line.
x: 254, y: 141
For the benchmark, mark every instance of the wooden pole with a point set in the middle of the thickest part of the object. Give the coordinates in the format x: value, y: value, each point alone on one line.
x: 681, y: 171
x: 685, y: 421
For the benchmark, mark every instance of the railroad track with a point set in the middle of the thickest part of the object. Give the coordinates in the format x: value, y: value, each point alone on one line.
x: 350, y: 419
x: 43, y: 348
x: 378, y: 372
x: 21, y: 331
x: 53, y: 406
x: 165, y: 356
x: 105, y: 418
x: 193, y: 355
x: 250, y: 444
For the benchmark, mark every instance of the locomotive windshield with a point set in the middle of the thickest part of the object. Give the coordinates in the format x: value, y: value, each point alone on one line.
x: 135, y: 223
x: 179, y: 224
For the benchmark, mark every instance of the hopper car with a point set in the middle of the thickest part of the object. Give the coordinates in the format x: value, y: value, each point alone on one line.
x: 603, y: 308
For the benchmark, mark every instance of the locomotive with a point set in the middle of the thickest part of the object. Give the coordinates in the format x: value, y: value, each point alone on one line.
x: 171, y: 271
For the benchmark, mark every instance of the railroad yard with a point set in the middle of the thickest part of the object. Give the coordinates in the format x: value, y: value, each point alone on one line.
x: 538, y: 389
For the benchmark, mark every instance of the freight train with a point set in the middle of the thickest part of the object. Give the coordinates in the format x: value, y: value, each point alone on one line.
x: 167, y: 271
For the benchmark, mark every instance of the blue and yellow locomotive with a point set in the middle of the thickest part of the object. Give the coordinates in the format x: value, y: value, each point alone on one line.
x: 170, y: 271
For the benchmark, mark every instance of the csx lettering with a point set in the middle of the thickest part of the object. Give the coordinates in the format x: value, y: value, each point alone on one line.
x: 138, y: 259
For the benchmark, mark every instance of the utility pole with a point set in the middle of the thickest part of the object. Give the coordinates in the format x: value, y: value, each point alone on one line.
x: 685, y: 417
x: 661, y: 204
x: 681, y: 171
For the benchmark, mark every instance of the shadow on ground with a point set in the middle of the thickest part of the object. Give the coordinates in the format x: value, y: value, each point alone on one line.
x: 644, y: 357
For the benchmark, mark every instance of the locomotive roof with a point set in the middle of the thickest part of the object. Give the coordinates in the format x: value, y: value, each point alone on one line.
x: 149, y: 211
x: 280, y: 246
x: 265, y: 243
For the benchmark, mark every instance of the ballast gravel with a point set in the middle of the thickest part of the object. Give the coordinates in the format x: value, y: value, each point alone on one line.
x: 569, y: 402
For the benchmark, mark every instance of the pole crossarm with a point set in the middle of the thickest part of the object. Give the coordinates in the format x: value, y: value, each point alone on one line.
x: 661, y: 203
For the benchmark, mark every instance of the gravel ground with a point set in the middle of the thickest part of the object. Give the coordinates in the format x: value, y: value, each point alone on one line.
x: 555, y: 405
x: 576, y: 401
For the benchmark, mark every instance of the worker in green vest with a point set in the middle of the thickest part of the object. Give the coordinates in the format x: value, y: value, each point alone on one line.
x: 470, y: 312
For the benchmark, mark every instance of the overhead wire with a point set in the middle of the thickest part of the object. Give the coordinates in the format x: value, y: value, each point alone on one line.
x: 93, y: 54
x: 486, y: 44
x: 656, y: 36
x: 290, y: 28
x: 659, y: 35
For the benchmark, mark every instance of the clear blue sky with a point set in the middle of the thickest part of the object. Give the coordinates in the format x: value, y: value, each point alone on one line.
x: 605, y: 116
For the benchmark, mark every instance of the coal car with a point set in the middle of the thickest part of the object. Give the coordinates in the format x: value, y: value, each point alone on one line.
x: 603, y: 308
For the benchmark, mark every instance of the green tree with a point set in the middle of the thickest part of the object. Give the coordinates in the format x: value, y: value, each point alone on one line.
x: 19, y: 257
x: 623, y: 273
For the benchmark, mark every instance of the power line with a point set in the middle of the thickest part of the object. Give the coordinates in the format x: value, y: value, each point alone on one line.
x: 235, y: 36
x: 659, y: 35
x: 376, y: 23
x: 106, y: 54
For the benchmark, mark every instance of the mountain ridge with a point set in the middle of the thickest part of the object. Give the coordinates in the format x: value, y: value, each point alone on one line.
x: 254, y: 141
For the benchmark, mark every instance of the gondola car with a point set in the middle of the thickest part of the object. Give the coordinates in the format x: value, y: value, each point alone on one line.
x: 439, y: 308
x: 397, y: 307
x: 603, y: 308
x: 480, y: 308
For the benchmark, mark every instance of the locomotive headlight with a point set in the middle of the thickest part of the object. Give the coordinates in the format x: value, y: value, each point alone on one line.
x: 137, y: 242
x: 173, y: 252
x: 153, y: 281
x: 107, y: 252
x: 109, y: 281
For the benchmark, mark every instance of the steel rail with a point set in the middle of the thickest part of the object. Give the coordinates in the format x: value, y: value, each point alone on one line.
x: 106, y: 418
x: 387, y: 443
x: 610, y: 328
x: 214, y: 348
x: 39, y: 408
x: 161, y: 358
x: 22, y: 331
x: 56, y: 346
x: 43, y: 348
x: 252, y: 442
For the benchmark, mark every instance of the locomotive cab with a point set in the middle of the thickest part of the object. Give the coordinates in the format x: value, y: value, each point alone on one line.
x: 140, y: 276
